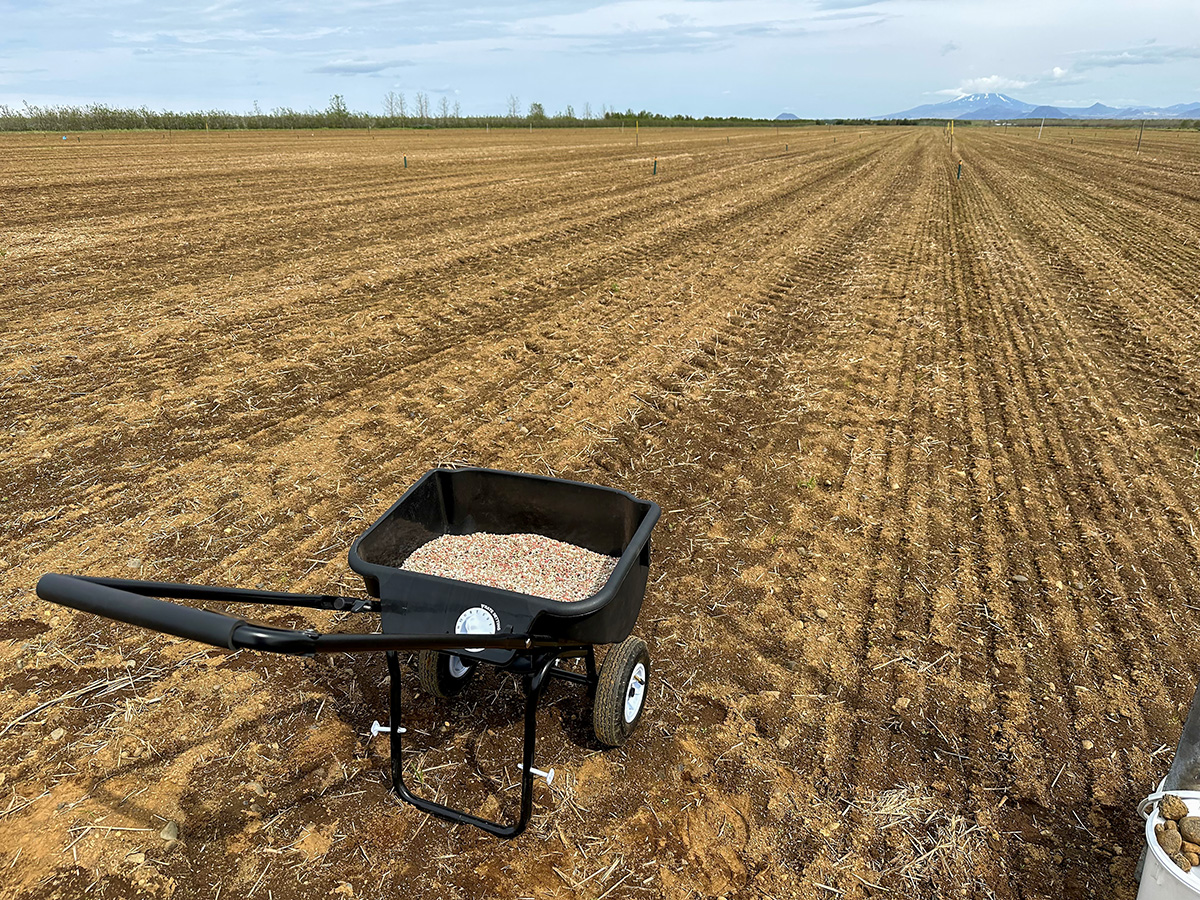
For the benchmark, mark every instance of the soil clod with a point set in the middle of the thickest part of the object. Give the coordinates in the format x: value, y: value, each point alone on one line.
x: 1189, y: 829
x: 1173, y: 807
x: 1168, y: 837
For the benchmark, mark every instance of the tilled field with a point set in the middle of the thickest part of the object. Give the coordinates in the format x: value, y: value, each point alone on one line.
x: 928, y: 452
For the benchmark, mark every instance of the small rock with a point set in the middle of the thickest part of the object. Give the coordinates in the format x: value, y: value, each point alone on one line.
x: 1173, y: 807
x: 170, y: 832
x: 133, y: 563
x: 1019, y: 579
x: 1087, y: 745
x: 1168, y: 837
x: 1189, y: 829
x: 1189, y: 847
x: 136, y: 858
x: 902, y: 704
x: 1193, y: 858
x: 1182, y: 861
x: 57, y: 734
x: 822, y: 614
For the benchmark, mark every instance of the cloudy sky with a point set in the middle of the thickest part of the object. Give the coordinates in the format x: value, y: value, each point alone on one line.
x: 699, y: 57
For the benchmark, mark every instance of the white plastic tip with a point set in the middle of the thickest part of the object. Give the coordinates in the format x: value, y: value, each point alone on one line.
x: 376, y: 729
x: 549, y: 776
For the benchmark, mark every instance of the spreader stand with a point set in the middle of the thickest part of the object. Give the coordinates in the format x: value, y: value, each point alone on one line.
x: 539, y: 668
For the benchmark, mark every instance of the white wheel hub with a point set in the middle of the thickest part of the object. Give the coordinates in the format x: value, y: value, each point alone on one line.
x: 635, y: 693
x: 457, y: 668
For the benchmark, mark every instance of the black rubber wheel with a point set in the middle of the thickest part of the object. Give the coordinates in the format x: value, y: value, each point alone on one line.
x: 621, y: 693
x: 443, y: 674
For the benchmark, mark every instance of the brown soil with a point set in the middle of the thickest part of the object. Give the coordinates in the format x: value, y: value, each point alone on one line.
x: 928, y: 452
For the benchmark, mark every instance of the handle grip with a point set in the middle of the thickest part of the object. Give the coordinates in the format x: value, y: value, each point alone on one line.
x: 201, y: 625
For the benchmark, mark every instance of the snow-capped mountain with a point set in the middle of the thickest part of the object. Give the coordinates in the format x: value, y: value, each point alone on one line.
x: 991, y: 107
x: 962, y: 107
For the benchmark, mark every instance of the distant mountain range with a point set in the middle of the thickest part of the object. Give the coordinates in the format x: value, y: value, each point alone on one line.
x: 1000, y: 106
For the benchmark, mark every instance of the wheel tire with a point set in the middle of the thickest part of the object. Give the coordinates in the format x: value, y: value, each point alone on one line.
x: 621, y: 692
x: 443, y: 674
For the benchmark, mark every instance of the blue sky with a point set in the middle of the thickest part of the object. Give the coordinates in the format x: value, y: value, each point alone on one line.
x: 718, y: 57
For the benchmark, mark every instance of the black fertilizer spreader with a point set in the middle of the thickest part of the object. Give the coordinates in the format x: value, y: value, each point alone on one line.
x: 454, y: 626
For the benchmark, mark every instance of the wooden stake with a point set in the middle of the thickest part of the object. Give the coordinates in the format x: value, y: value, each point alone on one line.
x: 1140, y: 130
x: 1043, y: 125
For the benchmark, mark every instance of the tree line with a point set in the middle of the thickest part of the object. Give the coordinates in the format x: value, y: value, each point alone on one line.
x: 398, y: 112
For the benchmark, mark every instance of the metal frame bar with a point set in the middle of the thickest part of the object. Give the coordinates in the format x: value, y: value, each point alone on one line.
x: 542, y: 669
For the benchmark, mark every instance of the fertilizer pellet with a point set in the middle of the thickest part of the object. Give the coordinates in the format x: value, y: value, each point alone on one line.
x: 526, y: 563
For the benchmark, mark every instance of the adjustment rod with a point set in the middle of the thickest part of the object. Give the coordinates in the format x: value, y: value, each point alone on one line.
x: 549, y: 776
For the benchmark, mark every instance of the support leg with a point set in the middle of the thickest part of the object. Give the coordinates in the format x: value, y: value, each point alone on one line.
x: 533, y: 684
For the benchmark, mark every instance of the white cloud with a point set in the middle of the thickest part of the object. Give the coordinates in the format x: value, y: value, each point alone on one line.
x: 991, y: 84
x: 360, y: 66
x: 234, y: 35
x: 1146, y: 55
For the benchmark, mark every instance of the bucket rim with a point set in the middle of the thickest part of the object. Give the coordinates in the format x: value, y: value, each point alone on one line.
x: 1150, y: 810
x: 1148, y: 805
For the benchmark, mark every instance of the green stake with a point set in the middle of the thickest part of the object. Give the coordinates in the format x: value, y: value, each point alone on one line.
x: 655, y: 172
x: 959, y: 178
x: 406, y: 162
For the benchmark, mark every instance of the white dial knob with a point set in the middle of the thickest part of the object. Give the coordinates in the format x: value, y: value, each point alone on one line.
x: 476, y: 620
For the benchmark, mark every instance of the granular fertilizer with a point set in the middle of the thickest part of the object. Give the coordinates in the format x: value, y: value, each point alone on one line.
x: 526, y: 563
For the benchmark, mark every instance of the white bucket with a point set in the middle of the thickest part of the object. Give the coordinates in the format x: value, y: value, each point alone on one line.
x: 1161, y: 878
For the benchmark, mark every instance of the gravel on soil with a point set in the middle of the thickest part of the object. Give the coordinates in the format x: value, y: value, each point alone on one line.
x: 526, y: 563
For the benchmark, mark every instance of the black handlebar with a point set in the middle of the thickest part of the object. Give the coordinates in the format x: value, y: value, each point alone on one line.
x: 134, y: 602
x: 173, y: 618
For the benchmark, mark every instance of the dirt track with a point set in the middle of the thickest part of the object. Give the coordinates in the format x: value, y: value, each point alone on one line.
x: 928, y: 452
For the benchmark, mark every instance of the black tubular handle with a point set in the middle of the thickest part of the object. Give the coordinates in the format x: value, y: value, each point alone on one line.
x: 172, y: 618
x: 128, y: 604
